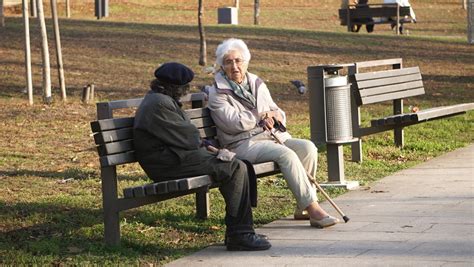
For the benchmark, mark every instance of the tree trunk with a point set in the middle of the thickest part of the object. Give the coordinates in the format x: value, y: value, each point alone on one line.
x: 59, y: 54
x: 2, y: 15
x: 29, y: 80
x: 256, y: 18
x: 202, y: 47
x: 68, y: 9
x: 237, y: 3
x: 33, y: 8
x: 45, y: 55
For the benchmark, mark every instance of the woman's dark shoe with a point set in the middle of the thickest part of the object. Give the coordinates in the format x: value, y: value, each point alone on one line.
x: 247, y: 242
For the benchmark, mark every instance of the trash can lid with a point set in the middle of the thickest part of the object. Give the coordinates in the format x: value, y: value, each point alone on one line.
x: 335, y: 80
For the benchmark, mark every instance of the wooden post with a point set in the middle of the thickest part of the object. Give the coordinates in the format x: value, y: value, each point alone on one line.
x: 45, y: 54
x: 59, y: 54
x: 92, y: 92
x: 86, y: 94
x: 29, y: 80
x: 33, y: 9
x: 68, y: 9
x: 2, y: 15
x: 256, y: 18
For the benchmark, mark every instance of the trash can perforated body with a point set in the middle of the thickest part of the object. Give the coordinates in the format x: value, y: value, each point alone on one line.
x: 338, y: 109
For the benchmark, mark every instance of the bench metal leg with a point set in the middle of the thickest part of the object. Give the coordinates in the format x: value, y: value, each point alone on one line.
x: 202, y: 204
x: 398, y: 132
x: 356, y: 149
x: 111, y: 214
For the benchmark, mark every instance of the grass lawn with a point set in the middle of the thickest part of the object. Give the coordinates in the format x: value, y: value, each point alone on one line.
x: 50, y: 208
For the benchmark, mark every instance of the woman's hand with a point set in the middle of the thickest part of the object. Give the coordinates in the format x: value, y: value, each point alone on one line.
x: 274, y: 114
x: 267, y: 123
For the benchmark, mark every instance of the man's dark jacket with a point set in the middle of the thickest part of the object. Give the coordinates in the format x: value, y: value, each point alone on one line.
x: 167, y: 144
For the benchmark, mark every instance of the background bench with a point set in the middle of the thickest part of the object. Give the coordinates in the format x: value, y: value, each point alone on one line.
x: 380, y: 13
x: 114, y: 140
x: 363, y: 84
x: 394, y: 84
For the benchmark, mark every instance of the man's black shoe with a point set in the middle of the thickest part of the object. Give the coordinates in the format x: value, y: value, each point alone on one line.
x: 259, y: 235
x: 247, y: 242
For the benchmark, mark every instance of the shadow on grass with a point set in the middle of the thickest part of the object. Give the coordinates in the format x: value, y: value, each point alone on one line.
x: 49, y: 232
x: 76, y: 174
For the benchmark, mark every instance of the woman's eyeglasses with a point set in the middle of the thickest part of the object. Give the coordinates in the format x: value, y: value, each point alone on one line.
x: 231, y: 62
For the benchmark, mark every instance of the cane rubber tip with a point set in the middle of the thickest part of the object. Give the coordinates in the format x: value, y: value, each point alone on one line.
x: 346, y: 219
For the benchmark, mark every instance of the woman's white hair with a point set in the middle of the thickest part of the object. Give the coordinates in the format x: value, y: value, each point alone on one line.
x: 232, y: 44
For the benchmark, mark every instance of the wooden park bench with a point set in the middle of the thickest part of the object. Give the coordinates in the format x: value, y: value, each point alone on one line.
x: 389, y: 85
x: 374, y: 14
x: 114, y: 140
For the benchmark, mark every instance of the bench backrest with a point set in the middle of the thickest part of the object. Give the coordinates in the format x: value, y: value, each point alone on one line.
x: 114, y: 136
x: 379, y: 86
x: 374, y: 11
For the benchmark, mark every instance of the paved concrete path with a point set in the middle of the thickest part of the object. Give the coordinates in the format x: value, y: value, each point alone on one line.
x: 423, y: 216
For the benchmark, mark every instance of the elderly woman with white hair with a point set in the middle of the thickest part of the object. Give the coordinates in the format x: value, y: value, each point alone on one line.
x: 244, y: 113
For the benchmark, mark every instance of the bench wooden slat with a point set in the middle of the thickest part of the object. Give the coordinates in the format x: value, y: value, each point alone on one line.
x: 208, y: 132
x: 183, y: 184
x: 113, y: 136
x: 423, y: 115
x: 111, y: 124
x: 117, y: 159
x: 386, y: 74
x: 202, y: 122
x: 265, y: 168
x: 392, y: 96
x: 378, y: 63
x: 194, y: 182
x: 373, y: 87
x: 197, y: 112
x: 427, y: 114
x: 374, y: 12
x: 391, y: 88
x: 115, y: 147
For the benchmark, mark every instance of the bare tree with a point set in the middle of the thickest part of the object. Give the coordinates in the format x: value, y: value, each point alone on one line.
x: 59, y: 54
x: 202, y: 47
x: 33, y: 8
x: 2, y: 16
x: 45, y: 55
x: 68, y: 9
x: 256, y: 17
x: 29, y: 79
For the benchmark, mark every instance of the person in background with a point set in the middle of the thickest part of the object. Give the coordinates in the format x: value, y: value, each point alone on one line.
x: 245, y: 113
x: 168, y: 146
x: 403, y: 3
x: 369, y: 26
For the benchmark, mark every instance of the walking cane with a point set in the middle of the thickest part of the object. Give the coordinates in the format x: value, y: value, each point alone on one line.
x: 313, y: 180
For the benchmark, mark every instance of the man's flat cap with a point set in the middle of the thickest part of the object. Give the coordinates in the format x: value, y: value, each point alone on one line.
x: 174, y: 73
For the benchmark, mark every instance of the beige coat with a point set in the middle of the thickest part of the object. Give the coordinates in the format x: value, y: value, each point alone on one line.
x: 236, y: 121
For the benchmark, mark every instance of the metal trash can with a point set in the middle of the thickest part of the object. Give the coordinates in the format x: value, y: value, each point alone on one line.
x: 228, y: 15
x: 338, y: 109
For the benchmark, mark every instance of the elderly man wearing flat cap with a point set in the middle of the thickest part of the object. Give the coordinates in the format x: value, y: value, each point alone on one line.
x: 168, y: 146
